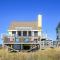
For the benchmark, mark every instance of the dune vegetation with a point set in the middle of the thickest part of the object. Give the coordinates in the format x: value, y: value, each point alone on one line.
x: 47, y: 54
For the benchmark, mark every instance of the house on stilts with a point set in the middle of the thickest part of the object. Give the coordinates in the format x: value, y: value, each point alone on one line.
x: 24, y: 35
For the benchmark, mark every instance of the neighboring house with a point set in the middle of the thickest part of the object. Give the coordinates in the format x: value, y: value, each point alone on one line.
x: 58, y: 35
x: 46, y: 44
x: 58, y: 32
x: 56, y: 43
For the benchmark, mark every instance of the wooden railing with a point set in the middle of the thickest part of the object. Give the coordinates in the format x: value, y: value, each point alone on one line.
x: 11, y: 39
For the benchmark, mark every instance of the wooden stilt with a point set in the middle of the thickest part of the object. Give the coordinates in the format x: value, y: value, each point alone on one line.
x: 11, y: 46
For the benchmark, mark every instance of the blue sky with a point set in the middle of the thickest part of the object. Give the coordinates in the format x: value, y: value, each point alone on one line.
x: 27, y: 10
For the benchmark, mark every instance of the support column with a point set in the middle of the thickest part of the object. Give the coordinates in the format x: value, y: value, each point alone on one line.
x: 32, y: 36
x: 16, y: 33
x: 43, y: 45
x: 11, y: 46
x: 40, y: 43
x: 32, y: 33
x: 27, y: 33
x: 21, y: 46
x: 21, y: 33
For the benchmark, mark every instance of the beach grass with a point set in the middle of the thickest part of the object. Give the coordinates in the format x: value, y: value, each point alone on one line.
x: 47, y: 54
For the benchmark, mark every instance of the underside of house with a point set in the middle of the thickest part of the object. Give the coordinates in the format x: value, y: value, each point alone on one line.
x: 22, y: 47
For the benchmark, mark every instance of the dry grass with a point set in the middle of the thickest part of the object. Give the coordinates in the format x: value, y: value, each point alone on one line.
x: 48, y: 54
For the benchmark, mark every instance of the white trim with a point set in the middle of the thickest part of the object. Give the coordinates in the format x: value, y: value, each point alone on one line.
x: 34, y: 30
x: 23, y: 30
x: 21, y: 43
x: 12, y: 30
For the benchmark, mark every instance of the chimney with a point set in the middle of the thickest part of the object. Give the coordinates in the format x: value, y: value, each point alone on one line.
x: 40, y: 22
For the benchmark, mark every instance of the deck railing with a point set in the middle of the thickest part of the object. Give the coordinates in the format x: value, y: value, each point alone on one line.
x: 22, y: 39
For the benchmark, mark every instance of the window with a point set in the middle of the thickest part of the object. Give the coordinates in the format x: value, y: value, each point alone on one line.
x: 19, y: 33
x: 24, y: 33
x: 13, y: 32
x: 43, y: 39
x: 29, y: 33
x: 57, y: 31
x: 57, y: 37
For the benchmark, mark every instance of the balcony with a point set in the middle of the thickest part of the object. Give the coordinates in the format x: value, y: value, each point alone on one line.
x: 21, y: 40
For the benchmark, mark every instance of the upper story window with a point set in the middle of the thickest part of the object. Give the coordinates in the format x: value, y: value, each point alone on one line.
x: 29, y: 33
x: 19, y: 33
x: 13, y: 32
x: 24, y: 33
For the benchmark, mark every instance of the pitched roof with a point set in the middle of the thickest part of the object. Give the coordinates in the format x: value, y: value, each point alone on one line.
x: 15, y: 24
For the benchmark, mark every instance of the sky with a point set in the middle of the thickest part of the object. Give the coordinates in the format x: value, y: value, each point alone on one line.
x: 27, y: 10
